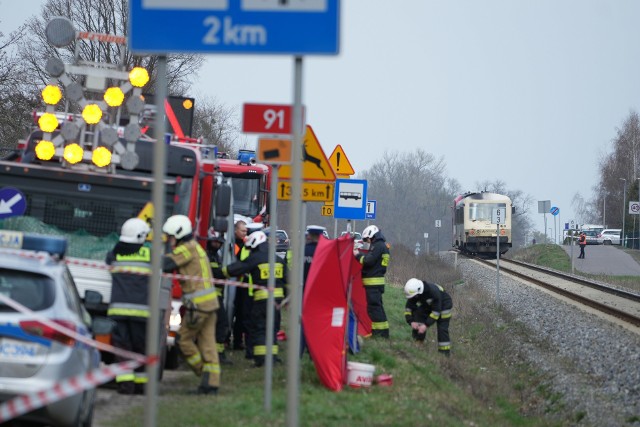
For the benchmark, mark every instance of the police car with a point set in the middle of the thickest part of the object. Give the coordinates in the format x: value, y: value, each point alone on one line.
x: 33, y: 355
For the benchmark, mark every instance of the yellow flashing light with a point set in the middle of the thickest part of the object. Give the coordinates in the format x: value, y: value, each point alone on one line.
x: 48, y: 122
x: 114, y: 96
x: 138, y: 77
x: 51, y: 94
x: 187, y: 104
x: 73, y: 153
x: 45, y: 150
x: 101, y: 157
x: 92, y: 114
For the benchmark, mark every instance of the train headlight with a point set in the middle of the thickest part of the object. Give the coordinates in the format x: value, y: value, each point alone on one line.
x: 51, y: 94
x: 138, y: 77
x: 92, y: 114
x: 48, y: 122
x: 101, y: 157
x: 187, y: 104
x: 45, y: 150
x: 114, y: 97
x: 73, y: 153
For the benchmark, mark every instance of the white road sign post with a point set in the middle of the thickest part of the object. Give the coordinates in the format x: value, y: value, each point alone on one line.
x: 498, y: 216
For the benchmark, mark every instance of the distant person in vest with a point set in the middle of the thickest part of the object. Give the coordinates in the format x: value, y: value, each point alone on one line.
x: 374, y: 267
x: 428, y: 303
x: 196, y: 336
x: 238, y: 319
x: 130, y: 260
x: 582, y: 241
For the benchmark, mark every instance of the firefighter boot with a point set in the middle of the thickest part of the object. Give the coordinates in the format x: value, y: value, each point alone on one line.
x: 126, y: 387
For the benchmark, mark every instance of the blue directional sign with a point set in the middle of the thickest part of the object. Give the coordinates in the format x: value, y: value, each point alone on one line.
x: 370, y: 211
x: 296, y: 27
x: 12, y: 202
x: 350, y: 199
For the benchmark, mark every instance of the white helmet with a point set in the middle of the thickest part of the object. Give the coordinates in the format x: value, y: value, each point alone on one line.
x: 177, y: 226
x: 369, y: 232
x: 255, y: 239
x: 134, y: 230
x: 413, y: 287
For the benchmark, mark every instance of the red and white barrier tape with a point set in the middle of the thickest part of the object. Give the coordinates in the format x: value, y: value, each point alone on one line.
x: 20, y: 405
x: 25, y: 403
x: 103, y: 266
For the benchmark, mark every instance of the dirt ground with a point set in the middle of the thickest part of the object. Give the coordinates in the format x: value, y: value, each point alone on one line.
x: 109, y: 404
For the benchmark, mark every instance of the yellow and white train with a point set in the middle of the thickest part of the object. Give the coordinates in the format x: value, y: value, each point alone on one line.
x: 473, y: 230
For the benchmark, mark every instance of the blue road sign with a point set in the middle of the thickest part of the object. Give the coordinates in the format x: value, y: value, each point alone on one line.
x: 554, y: 210
x: 350, y: 199
x: 12, y: 202
x: 296, y: 27
x: 370, y: 211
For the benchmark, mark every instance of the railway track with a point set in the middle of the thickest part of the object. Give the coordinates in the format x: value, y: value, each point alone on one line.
x: 618, y: 303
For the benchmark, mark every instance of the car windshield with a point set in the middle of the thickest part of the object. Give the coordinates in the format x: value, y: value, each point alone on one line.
x: 281, y: 235
x: 34, y: 291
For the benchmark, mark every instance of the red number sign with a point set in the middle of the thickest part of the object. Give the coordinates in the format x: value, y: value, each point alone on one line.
x: 265, y: 118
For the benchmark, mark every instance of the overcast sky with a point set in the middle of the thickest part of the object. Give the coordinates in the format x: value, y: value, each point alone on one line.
x: 528, y: 92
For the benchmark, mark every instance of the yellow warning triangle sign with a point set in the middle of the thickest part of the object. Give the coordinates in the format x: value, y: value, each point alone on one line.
x: 340, y: 162
x: 315, y: 166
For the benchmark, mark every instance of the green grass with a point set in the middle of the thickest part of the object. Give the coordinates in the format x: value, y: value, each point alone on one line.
x: 481, y: 384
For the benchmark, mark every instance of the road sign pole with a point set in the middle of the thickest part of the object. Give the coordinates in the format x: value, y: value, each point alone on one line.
x: 271, y: 284
x: 293, y: 348
x: 158, y: 198
x: 498, y: 264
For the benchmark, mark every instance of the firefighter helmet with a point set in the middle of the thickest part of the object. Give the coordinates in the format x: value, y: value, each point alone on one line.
x: 214, y: 236
x: 177, y: 226
x: 369, y: 232
x: 134, y: 230
x: 413, y: 287
x: 255, y: 239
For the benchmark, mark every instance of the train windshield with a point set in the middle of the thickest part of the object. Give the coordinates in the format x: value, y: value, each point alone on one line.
x: 482, y: 211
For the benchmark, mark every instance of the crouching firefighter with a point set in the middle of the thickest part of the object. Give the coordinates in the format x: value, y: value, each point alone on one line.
x: 428, y: 303
x: 130, y: 260
x: 257, y: 265
x: 196, y: 337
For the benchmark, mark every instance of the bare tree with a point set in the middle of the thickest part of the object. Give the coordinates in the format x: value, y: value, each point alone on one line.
x: 13, y: 101
x: 412, y: 192
x: 219, y: 125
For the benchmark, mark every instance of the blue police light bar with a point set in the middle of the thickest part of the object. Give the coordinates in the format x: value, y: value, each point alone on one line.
x: 246, y: 157
x: 33, y: 242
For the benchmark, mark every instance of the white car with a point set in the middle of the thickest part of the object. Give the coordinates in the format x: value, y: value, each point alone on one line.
x: 610, y: 236
x: 36, y: 357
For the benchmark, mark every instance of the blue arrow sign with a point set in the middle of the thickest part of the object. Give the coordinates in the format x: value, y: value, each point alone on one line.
x: 12, y: 202
x: 350, y: 199
x: 297, y: 27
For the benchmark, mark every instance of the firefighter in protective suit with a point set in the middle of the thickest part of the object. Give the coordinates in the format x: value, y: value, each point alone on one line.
x: 130, y: 260
x: 428, y: 303
x: 196, y: 337
x: 257, y: 265
x: 374, y: 266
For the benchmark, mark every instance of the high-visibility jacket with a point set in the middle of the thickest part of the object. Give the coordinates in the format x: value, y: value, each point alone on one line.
x: 191, y: 260
x: 130, y: 280
x: 434, y: 300
x: 582, y: 240
x: 375, y: 262
x: 257, y: 266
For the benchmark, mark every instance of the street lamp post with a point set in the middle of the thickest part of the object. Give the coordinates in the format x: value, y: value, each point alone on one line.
x: 624, y: 202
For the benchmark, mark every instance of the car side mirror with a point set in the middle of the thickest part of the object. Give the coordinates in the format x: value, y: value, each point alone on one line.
x: 102, y: 325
